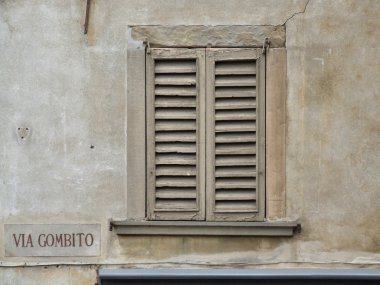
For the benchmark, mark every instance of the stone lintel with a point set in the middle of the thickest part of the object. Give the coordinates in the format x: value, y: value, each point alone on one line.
x: 213, y: 36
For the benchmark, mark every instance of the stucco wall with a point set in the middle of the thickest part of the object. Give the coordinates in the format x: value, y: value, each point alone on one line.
x: 70, y: 90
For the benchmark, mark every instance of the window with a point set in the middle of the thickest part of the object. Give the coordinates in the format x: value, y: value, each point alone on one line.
x: 200, y: 160
x: 205, y: 134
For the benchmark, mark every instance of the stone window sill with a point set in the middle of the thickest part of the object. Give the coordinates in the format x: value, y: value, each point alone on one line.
x: 173, y: 228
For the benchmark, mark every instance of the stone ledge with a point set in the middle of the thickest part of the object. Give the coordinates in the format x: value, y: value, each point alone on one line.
x: 285, y: 229
x: 213, y: 36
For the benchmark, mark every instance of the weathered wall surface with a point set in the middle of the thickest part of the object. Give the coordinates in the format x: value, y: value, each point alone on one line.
x: 333, y: 149
x: 70, y: 90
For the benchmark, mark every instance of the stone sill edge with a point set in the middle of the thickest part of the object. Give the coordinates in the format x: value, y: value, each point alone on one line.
x: 176, y: 228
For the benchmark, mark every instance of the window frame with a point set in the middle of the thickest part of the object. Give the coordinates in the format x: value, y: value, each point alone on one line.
x: 206, y: 200
x: 141, y: 38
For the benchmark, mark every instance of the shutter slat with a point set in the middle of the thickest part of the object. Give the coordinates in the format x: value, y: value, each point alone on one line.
x: 235, y: 67
x: 175, y: 136
x: 235, y: 115
x: 175, y: 91
x: 175, y: 170
x: 239, y: 182
x: 176, y: 204
x: 162, y: 147
x: 174, y: 125
x: 176, y: 181
x: 226, y: 160
x: 174, y: 101
x: 237, y: 126
x: 235, y: 80
x: 176, y: 159
x: 232, y: 206
x: 176, y: 113
x: 176, y: 193
x: 235, y: 137
x: 235, y: 171
x: 235, y: 103
x: 235, y: 148
x: 240, y: 92
x: 175, y: 66
x: 175, y: 79
x: 235, y: 194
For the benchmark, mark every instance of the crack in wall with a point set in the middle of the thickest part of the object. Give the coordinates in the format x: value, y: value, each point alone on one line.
x: 297, y: 13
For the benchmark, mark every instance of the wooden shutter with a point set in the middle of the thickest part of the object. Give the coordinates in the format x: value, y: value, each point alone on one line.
x: 175, y: 134
x: 235, y: 134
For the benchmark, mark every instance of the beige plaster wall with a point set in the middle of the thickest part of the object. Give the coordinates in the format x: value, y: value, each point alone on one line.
x: 333, y: 149
x: 70, y: 89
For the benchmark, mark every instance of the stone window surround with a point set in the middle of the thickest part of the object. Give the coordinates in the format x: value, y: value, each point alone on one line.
x: 142, y: 37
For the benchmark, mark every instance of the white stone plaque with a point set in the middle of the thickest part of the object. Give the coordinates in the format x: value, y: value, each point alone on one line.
x: 52, y: 240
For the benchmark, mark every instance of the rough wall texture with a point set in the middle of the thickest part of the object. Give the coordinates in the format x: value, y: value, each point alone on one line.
x: 334, y: 127
x: 70, y: 90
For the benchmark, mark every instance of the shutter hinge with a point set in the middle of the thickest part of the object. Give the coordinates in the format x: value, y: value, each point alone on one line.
x: 266, y: 45
x: 146, y: 42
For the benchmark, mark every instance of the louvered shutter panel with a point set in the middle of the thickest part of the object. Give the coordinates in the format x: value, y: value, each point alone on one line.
x: 175, y: 134
x: 235, y: 134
